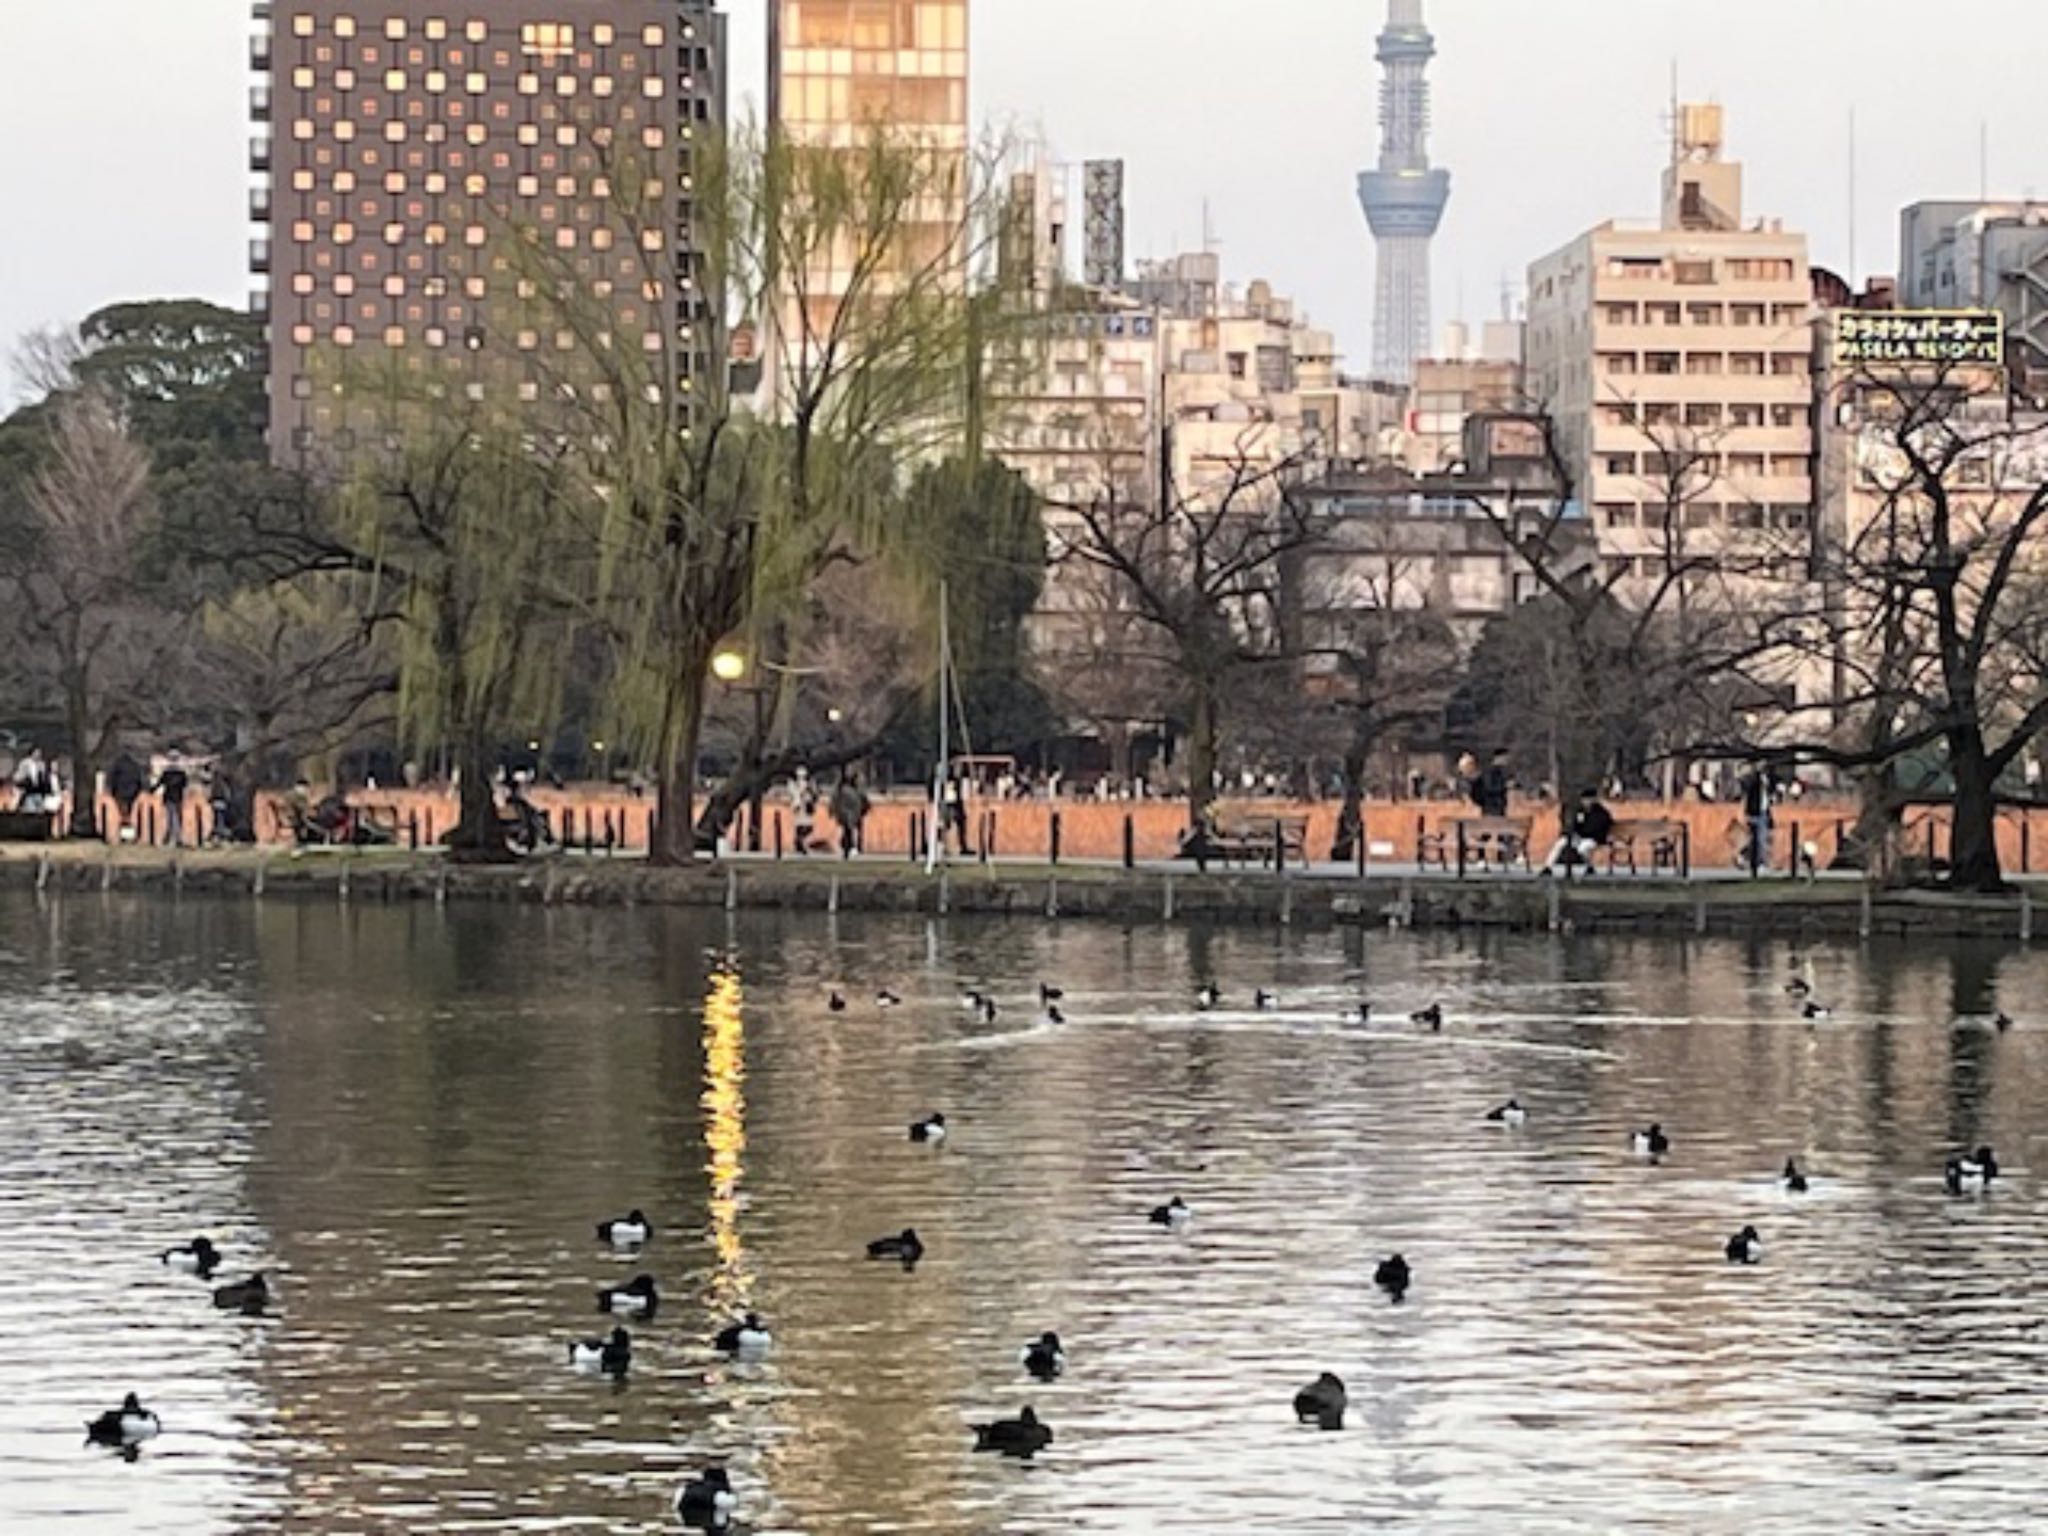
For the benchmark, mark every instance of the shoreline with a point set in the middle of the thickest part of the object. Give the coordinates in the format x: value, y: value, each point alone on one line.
x: 1771, y: 908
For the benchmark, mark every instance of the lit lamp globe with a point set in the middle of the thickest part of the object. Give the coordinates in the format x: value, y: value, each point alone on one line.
x: 729, y: 666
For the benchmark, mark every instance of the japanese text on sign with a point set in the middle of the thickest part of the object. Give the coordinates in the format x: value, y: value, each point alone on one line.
x: 1920, y: 336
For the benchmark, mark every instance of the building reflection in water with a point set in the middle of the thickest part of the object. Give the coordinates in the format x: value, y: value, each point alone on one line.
x: 725, y: 1135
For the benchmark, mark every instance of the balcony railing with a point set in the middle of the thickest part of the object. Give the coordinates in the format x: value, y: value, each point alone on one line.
x: 259, y: 205
x: 259, y: 103
x: 259, y: 152
x: 259, y: 256
x: 259, y: 55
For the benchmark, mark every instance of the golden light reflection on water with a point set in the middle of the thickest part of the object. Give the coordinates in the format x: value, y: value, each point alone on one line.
x: 725, y: 1133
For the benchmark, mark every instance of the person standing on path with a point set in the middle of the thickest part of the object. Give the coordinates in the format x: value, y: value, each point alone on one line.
x: 850, y: 811
x: 171, y: 785
x: 1757, y: 793
x: 1491, y: 792
x: 125, y: 780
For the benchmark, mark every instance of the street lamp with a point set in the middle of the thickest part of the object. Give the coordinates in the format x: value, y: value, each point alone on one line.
x: 729, y: 665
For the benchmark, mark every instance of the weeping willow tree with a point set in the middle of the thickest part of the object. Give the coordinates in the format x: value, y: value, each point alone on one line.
x: 867, y: 273
x: 459, y: 536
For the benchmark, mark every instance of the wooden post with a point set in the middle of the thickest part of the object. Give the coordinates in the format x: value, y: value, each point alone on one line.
x: 832, y: 897
x: 1130, y: 842
x: 1053, y: 839
x: 778, y: 837
x: 1279, y: 848
x: 412, y: 829
x: 2026, y: 916
x: 1460, y: 824
x: 732, y: 888
x: 1168, y: 912
x: 1798, y: 852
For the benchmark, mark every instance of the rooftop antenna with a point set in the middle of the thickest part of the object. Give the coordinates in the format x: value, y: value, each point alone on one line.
x: 1852, y: 199
x: 1672, y: 122
x: 1507, y: 295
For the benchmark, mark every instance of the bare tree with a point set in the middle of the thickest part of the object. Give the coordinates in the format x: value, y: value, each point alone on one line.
x: 1202, y: 571
x: 85, y: 635
x: 1643, y: 655
x: 1381, y: 658
x: 1932, y: 615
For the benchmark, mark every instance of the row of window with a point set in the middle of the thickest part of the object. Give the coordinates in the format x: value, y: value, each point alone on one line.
x: 1702, y: 271
x: 1692, y: 466
x: 1708, y: 364
x: 1698, y: 413
x: 1703, y: 314
x: 537, y: 37
x: 564, y: 236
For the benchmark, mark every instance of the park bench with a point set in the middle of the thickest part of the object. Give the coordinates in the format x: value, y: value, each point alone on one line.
x: 1665, y: 845
x: 1493, y: 842
x: 1245, y: 837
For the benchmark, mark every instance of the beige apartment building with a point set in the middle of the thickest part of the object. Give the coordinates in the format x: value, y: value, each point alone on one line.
x: 1676, y: 361
x: 401, y: 143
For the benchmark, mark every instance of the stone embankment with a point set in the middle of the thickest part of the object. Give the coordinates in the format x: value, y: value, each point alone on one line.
x: 1766, y: 909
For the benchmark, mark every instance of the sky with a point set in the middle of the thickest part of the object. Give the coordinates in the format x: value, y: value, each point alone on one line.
x: 123, y: 172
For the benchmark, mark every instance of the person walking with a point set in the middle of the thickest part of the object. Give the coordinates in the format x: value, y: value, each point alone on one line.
x: 171, y: 786
x: 850, y: 811
x: 1591, y: 828
x: 125, y: 782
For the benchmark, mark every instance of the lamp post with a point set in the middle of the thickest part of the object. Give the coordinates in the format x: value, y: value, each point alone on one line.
x: 729, y: 666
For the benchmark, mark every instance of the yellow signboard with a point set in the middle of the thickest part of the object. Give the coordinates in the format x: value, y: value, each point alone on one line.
x: 1968, y: 337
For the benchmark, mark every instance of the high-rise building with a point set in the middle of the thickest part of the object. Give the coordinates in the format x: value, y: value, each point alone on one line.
x: 1403, y: 197
x: 840, y: 69
x: 402, y: 143
x: 1675, y: 360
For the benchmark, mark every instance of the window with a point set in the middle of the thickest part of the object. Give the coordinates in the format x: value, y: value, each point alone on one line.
x: 302, y: 335
x: 602, y: 34
x: 437, y: 81
x: 1788, y: 364
x: 474, y: 287
x: 1617, y: 362
x: 474, y: 83
x: 565, y: 238
x: 652, y: 86
x: 302, y: 129
x: 1696, y: 274
x: 1702, y: 314
x: 394, y: 28
x: 1660, y: 362
x: 1619, y: 463
x: 344, y: 26
x: 302, y: 26
x: 1746, y: 364
x: 302, y: 231
x: 394, y: 80
x: 601, y: 86
x: 476, y: 31
x: 652, y: 37
x: 394, y: 132
x: 565, y: 85
x: 344, y: 285
x: 1702, y: 415
x: 547, y: 40
x: 344, y: 335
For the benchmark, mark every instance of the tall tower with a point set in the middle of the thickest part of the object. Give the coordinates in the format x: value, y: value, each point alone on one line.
x: 1403, y: 199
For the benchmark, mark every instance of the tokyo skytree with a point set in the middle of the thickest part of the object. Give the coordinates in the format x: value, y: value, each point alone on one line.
x: 1403, y: 197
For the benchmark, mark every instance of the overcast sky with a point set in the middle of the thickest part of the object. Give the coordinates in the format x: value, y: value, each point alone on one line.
x: 122, y: 172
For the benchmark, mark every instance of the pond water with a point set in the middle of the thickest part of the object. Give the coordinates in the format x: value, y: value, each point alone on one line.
x: 410, y: 1119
